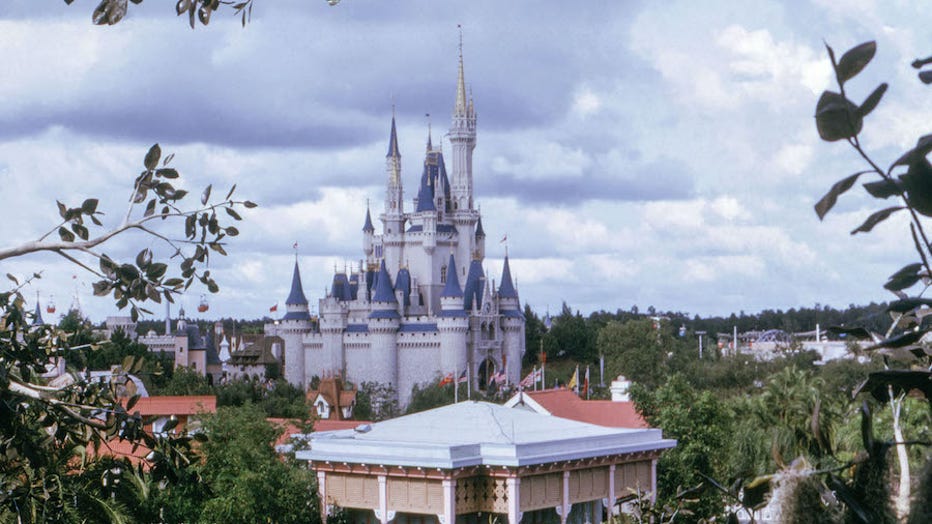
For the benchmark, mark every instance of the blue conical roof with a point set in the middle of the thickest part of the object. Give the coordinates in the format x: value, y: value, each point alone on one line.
x: 507, y: 289
x: 425, y: 195
x: 452, y: 288
x: 383, y: 287
x: 37, y: 319
x: 403, y: 284
x: 367, y: 227
x: 393, y: 142
x: 473, y: 290
x: 296, y: 297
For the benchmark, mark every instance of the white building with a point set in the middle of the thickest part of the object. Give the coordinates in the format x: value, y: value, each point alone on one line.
x: 471, y: 462
x: 403, y: 317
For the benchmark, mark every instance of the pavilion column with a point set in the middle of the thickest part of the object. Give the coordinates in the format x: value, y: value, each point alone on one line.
x: 322, y: 493
x: 653, y: 480
x: 610, y: 500
x: 565, y: 506
x: 449, y: 502
x: 514, y: 500
x: 382, y: 513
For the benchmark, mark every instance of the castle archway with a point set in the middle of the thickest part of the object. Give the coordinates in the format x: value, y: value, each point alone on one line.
x: 485, y: 372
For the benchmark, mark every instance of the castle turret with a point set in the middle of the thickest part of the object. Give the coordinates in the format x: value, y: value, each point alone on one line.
x: 292, y: 328
x: 453, y: 324
x: 463, y: 140
x: 393, y: 218
x: 513, y: 324
x: 368, y: 234
x: 383, y: 325
x: 480, y: 240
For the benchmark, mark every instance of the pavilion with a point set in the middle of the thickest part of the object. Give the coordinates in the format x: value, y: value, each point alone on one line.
x: 474, y: 461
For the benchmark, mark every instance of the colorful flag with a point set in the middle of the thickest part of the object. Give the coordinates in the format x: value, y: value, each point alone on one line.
x: 530, y: 379
x: 273, y: 308
x: 574, y: 381
x: 504, y: 239
x: 448, y: 379
x: 586, y: 383
x: 463, y: 377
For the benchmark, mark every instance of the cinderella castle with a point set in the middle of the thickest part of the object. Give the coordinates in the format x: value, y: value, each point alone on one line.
x: 421, y: 305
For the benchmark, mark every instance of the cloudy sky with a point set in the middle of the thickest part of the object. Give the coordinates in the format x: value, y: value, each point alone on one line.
x: 649, y: 153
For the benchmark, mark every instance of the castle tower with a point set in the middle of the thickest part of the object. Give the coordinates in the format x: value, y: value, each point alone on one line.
x: 463, y: 140
x: 393, y: 218
x: 383, y: 325
x: 368, y: 237
x: 453, y: 324
x: 513, y: 324
x: 292, y: 327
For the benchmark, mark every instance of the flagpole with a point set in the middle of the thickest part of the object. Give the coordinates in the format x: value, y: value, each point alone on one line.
x: 456, y: 386
x: 468, y: 383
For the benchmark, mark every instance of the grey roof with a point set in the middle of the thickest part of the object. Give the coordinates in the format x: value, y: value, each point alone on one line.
x: 473, y: 289
x: 37, y: 317
x: 452, y: 288
x: 383, y: 287
x: 296, y: 297
x: 418, y: 328
x: 403, y: 284
x: 367, y: 227
x: 441, y: 228
x: 476, y: 433
x: 480, y: 233
x: 393, y: 142
x: 507, y: 289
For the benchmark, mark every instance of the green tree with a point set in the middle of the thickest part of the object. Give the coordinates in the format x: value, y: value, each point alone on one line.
x: 45, y: 430
x: 635, y: 349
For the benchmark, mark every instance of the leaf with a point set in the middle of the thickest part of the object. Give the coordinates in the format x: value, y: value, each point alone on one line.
x: 65, y: 235
x: 167, y: 172
x: 923, y: 147
x: 902, y: 381
x: 152, y: 157
x: 755, y: 493
x: 855, y: 60
x: 249, y: 205
x: 925, y: 77
x: 12, y: 278
x: 89, y: 206
x: 80, y: 230
x: 885, y: 188
x: 899, y: 341
x: 132, y: 402
x: 849, y: 498
x: 150, y: 208
x: 828, y: 201
x: 872, y: 100
x: 908, y: 304
x: 62, y: 210
x: 875, y: 219
x: 232, y: 189
x: 232, y: 231
x: 901, y: 282
x: 837, y: 117
x: 233, y: 213
x: 918, y: 185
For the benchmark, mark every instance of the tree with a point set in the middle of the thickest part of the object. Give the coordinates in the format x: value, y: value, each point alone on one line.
x: 47, y: 429
x: 636, y: 350
x: 109, y: 12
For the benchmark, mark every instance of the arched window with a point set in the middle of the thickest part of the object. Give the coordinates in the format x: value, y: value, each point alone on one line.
x: 443, y: 274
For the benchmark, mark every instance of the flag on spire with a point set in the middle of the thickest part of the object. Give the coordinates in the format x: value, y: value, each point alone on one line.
x: 273, y: 308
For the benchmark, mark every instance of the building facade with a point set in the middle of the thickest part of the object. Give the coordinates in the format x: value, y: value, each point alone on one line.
x: 403, y: 317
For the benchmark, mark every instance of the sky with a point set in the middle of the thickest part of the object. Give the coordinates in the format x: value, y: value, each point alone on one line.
x: 634, y: 153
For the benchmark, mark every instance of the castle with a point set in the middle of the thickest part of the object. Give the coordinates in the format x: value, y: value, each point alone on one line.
x: 404, y: 318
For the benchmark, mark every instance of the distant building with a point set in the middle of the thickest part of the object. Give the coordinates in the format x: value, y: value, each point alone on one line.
x: 420, y: 305
x: 333, y: 400
x: 189, y: 347
x: 468, y: 462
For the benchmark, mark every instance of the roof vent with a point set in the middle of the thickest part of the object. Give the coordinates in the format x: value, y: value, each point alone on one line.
x: 363, y: 428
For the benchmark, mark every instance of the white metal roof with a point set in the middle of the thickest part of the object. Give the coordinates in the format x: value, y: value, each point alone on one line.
x: 472, y: 433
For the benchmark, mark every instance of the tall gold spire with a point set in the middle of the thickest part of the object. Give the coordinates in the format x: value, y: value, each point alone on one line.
x: 461, y: 104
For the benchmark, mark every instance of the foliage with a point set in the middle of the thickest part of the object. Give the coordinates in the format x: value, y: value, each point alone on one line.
x: 701, y: 425
x: 109, y: 12
x: 47, y: 429
x: 375, y: 402
x: 636, y: 350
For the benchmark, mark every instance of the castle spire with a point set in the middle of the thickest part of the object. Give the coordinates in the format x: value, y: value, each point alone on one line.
x: 461, y: 104
x: 507, y: 289
x: 296, y: 297
x: 393, y: 140
x: 368, y: 227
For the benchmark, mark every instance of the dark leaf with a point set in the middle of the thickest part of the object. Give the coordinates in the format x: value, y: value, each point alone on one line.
x: 923, y: 147
x: 233, y: 213
x: 853, y: 61
x: 150, y: 208
x: 61, y: 209
x: 182, y: 6
x: 878, y: 383
x: 205, y: 196
x: 80, y: 230
x: 12, y: 278
x: 232, y: 231
x: 828, y: 201
x: 908, y: 304
x: 152, y: 157
x: 249, y: 205
x: 899, y: 283
x: 144, y: 258
x: 101, y: 288
x: 132, y: 402
x: 885, y: 188
x: 918, y: 185
x: 837, y: 117
x: 167, y: 172
x: 849, y: 498
x: 899, y: 341
x: 875, y: 219
x: 867, y: 427
x: 925, y: 76
x: 872, y: 100
x: 157, y: 271
x: 755, y: 493
x: 173, y: 282
x: 232, y: 189
x: 89, y: 206
x: 65, y: 235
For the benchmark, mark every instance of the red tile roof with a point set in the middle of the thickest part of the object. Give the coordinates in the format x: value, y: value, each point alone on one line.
x: 176, y: 405
x: 565, y: 404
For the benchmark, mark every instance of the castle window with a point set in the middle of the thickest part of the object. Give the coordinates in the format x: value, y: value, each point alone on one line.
x: 443, y: 275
